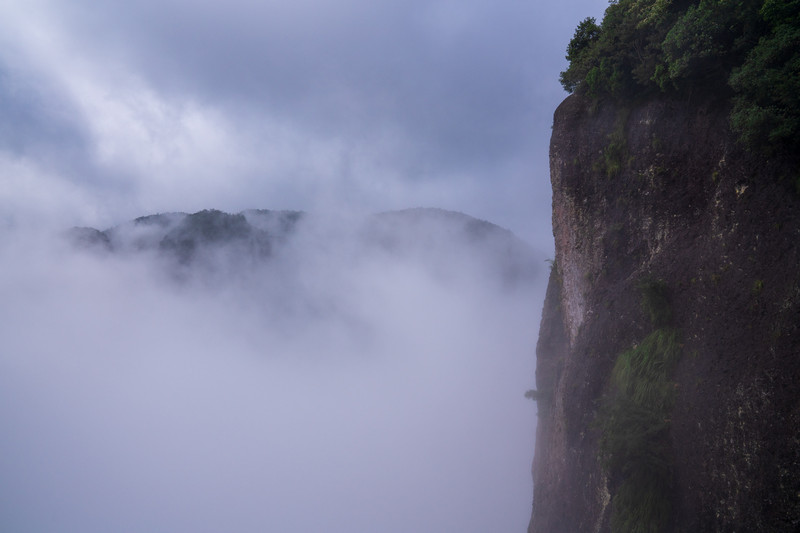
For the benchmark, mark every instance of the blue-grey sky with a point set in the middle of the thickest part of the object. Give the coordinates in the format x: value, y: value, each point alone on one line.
x: 111, y: 109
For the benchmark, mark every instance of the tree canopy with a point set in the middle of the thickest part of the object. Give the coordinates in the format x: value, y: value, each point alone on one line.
x: 744, y: 50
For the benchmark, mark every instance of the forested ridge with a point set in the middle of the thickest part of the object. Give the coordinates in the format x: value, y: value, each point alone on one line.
x: 746, y: 52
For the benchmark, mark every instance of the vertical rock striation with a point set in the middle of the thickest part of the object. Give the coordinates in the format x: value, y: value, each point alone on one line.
x: 660, y: 190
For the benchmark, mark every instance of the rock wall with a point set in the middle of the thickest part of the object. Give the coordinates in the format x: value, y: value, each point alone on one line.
x: 660, y: 190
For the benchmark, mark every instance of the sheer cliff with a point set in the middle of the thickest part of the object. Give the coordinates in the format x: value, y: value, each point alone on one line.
x: 677, y: 255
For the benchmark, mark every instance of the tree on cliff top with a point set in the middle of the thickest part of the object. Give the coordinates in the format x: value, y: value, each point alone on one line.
x: 745, y: 50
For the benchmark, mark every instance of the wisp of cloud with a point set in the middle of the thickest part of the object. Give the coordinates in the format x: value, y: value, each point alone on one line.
x: 356, y: 376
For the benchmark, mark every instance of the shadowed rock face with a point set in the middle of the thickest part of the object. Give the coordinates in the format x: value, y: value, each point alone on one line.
x: 660, y: 190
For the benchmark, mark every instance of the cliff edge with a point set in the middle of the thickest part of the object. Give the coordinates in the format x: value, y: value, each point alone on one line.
x: 657, y: 196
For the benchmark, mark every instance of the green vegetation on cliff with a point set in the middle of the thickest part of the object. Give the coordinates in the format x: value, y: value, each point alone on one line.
x: 635, y: 419
x: 745, y: 50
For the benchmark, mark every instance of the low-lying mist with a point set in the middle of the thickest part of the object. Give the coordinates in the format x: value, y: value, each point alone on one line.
x: 268, y: 372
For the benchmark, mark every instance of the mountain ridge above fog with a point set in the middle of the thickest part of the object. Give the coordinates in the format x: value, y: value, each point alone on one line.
x: 443, y: 239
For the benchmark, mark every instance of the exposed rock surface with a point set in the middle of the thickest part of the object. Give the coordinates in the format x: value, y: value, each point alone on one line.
x: 660, y: 190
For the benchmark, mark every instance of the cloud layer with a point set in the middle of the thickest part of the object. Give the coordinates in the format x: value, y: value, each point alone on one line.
x: 337, y: 386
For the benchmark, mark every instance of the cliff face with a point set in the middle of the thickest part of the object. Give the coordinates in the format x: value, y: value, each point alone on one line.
x: 659, y: 190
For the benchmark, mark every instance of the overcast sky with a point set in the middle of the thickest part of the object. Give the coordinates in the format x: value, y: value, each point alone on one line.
x: 111, y: 109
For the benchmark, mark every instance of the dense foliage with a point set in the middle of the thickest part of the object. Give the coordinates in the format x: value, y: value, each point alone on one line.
x: 746, y: 50
x: 635, y: 418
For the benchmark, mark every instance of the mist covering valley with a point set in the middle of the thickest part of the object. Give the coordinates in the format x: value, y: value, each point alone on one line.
x: 268, y: 371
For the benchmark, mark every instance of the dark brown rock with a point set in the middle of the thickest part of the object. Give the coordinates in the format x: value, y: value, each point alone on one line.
x: 660, y: 189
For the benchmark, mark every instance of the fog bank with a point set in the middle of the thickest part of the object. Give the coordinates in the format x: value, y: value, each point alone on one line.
x: 334, y: 385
